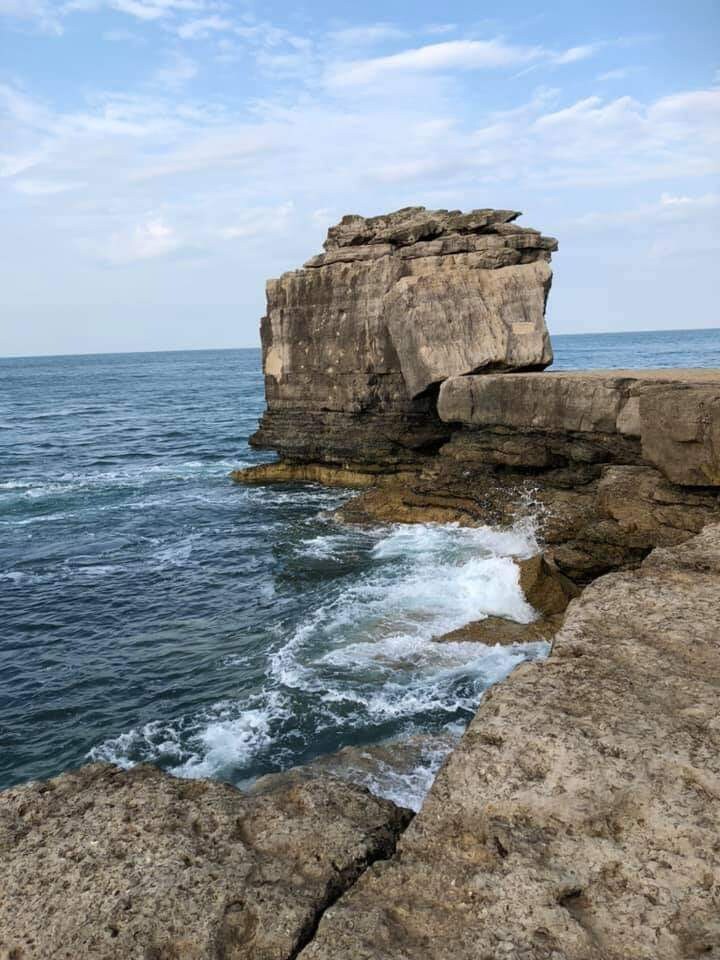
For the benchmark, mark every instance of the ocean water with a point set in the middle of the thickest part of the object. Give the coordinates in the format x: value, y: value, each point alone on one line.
x: 152, y: 610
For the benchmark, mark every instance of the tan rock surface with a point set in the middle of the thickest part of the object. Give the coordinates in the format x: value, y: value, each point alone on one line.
x: 356, y: 343
x: 102, y: 863
x: 671, y: 418
x: 496, y: 630
x: 544, y: 587
x: 579, y: 818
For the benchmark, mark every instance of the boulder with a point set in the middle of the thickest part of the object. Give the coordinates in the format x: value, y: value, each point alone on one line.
x: 681, y: 432
x: 544, y: 586
x: 115, y: 865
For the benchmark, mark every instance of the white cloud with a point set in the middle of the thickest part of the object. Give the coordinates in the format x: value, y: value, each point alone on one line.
x: 146, y: 241
x: 668, y: 209
x: 620, y: 73
x: 44, y: 188
x: 176, y: 73
x: 369, y: 34
x: 48, y: 15
x: 146, y: 10
x: 203, y: 27
x: 573, y: 54
x: 452, y: 54
x: 253, y: 223
x: 37, y: 12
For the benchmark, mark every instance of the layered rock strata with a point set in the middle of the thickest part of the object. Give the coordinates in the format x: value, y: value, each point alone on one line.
x: 107, y: 864
x: 356, y: 344
x: 579, y: 817
x: 612, y: 463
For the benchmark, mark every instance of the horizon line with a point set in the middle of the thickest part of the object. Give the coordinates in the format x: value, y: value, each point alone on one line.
x: 123, y: 353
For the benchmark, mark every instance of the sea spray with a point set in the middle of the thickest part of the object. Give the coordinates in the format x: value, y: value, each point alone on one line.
x: 363, y: 664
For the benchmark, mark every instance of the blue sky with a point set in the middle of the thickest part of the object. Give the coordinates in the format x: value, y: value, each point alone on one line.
x: 159, y: 159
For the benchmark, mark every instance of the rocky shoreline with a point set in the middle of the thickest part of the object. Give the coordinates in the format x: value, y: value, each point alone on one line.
x: 579, y: 815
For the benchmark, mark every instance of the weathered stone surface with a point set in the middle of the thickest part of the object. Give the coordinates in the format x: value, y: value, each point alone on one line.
x: 356, y: 343
x: 592, y: 517
x: 671, y: 418
x: 507, y: 633
x: 578, y: 818
x: 681, y: 432
x: 401, y: 769
x: 544, y: 587
x: 102, y: 863
x: 282, y: 472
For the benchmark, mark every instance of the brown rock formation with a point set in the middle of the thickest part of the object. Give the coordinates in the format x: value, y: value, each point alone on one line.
x: 669, y: 418
x: 379, y: 357
x: 545, y: 588
x: 578, y: 818
x: 356, y: 343
x: 102, y: 863
x: 496, y: 630
x: 583, y: 451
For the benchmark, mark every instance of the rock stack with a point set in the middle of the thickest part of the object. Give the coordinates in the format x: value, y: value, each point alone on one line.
x: 357, y: 343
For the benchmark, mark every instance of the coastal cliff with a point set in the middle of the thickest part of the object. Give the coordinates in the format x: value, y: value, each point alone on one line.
x: 578, y: 817
x: 576, y: 820
x: 398, y: 362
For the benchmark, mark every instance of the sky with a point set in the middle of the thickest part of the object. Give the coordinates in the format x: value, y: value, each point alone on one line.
x: 160, y: 159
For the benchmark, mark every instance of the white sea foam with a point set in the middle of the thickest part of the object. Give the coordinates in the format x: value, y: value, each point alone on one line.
x: 231, y: 741
x: 406, y: 787
x: 175, y: 554
x: 366, y: 657
x: 223, y: 737
x: 43, y: 518
x: 431, y: 579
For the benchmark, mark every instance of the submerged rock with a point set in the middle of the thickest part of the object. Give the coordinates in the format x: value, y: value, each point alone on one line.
x: 401, y: 770
x: 578, y: 817
x: 357, y: 342
x: 105, y: 863
x: 507, y: 633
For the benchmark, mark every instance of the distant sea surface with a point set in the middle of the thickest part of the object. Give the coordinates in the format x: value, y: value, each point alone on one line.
x: 152, y: 610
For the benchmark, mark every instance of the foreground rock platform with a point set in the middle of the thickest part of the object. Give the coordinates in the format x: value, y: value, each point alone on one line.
x: 357, y: 342
x: 115, y: 865
x: 579, y: 818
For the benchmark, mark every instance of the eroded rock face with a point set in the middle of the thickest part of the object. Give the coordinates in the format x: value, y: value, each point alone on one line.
x: 112, y: 865
x: 356, y: 343
x: 670, y: 418
x: 611, y: 463
x: 578, y: 817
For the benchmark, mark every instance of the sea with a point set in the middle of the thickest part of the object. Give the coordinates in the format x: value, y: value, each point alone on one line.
x: 152, y: 610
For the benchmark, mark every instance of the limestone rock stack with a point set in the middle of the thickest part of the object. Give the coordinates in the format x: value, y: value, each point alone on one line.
x: 358, y: 341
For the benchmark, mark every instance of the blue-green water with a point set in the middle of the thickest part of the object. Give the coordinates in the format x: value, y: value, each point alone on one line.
x: 152, y: 610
